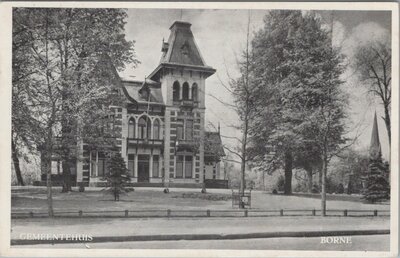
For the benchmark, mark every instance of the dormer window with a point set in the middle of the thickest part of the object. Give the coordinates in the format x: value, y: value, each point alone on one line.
x: 185, y: 48
x: 145, y: 94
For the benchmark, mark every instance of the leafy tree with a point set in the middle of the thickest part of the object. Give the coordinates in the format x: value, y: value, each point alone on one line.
x: 350, y: 167
x: 117, y: 176
x: 82, y: 50
x: 314, y: 96
x: 66, y: 74
x: 298, y: 73
x: 274, y: 56
x: 23, y: 126
x: 90, y: 44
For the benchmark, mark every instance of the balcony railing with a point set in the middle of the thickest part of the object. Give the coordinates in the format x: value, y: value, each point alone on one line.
x: 186, y: 103
x: 192, y: 145
x: 146, y: 142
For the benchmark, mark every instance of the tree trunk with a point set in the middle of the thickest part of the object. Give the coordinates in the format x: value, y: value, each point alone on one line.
x: 243, y: 164
x: 66, y: 177
x: 288, y: 172
x: 319, y: 177
x: 16, y: 163
x: 323, y: 188
x: 387, y: 122
x: 309, y: 171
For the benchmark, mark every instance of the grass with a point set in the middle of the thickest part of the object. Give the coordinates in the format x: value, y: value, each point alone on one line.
x: 34, y: 199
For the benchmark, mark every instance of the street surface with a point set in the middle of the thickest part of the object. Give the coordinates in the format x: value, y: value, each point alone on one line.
x: 359, y: 243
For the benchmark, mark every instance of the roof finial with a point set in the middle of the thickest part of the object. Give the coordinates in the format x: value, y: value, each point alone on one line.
x: 219, y: 128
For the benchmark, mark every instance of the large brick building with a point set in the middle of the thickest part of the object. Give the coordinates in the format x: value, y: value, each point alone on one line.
x: 162, y: 134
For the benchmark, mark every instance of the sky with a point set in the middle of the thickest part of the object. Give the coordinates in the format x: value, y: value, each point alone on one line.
x: 221, y: 35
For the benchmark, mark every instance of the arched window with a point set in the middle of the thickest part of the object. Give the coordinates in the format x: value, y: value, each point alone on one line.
x: 148, y: 129
x: 131, y: 128
x: 194, y: 91
x: 175, y: 91
x: 185, y: 91
x: 156, y: 129
x: 142, y: 128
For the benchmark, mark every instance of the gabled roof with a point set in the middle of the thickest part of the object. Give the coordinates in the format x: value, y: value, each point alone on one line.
x: 213, y: 144
x: 181, y: 50
x: 133, y: 91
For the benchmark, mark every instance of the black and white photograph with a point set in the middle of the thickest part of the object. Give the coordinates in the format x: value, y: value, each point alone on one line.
x: 201, y: 128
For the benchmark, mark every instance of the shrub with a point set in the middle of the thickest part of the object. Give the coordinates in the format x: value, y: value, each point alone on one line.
x: 117, y: 176
x: 315, y: 188
x: 280, y: 184
x: 340, y: 189
x: 378, y: 187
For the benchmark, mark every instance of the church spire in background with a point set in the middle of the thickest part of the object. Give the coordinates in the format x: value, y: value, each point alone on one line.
x: 375, y: 146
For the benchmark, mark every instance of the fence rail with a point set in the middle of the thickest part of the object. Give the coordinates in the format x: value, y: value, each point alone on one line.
x: 168, y: 213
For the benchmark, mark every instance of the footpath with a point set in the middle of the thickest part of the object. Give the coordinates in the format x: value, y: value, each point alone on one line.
x: 162, y: 229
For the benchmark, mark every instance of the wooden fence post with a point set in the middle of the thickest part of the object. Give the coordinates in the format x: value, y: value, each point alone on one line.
x: 375, y: 213
x: 208, y: 213
x: 313, y: 212
x: 31, y: 214
x: 80, y: 213
x: 126, y: 213
x: 281, y: 212
x: 246, y: 213
x: 345, y: 213
x: 168, y: 213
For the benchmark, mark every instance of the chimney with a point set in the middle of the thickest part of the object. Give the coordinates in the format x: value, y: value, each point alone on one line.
x: 180, y: 25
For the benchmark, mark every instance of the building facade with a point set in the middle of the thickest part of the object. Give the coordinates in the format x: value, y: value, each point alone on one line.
x: 161, y: 124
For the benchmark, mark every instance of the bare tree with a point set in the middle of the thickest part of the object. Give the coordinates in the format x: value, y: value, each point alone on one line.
x: 373, y: 63
x: 243, y: 94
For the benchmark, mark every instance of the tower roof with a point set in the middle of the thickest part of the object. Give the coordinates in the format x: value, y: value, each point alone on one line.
x: 375, y: 145
x: 181, y: 50
x: 181, y: 47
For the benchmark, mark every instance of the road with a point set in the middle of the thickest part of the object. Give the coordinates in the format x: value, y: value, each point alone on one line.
x: 151, y: 226
x: 358, y: 243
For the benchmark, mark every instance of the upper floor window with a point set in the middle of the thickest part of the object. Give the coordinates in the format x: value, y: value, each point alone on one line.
x: 156, y: 129
x: 131, y: 128
x: 185, y: 91
x: 194, y: 91
x: 176, y: 91
x: 189, y: 129
x: 144, y: 128
x: 179, y: 130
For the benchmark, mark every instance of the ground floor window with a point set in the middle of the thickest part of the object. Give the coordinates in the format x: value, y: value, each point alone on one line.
x: 93, y: 164
x: 184, y: 166
x: 99, y: 164
x: 179, y: 166
x: 188, y: 166
x: 156, y: 166
x: 131, y: 164
x: 101, y: 167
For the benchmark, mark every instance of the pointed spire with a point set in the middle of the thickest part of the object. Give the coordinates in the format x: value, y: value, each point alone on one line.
x: 375, y: 145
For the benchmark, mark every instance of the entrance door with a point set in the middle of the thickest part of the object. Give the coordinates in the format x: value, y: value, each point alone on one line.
x: 143, y: 168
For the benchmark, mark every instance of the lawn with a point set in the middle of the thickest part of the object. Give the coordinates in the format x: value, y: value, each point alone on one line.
x: 34, y: 199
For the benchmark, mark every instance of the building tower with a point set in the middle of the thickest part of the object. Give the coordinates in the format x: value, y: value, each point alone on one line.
x: 182, y: 73
x: 375, y: 145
